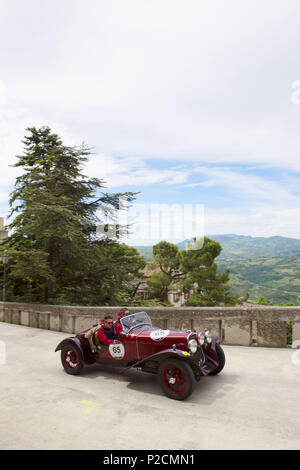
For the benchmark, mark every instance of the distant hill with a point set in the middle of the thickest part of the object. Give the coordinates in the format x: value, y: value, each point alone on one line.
x: 267, y: 266
x: 240, y: 246
x: 276, y: 279
x: 145, y: 251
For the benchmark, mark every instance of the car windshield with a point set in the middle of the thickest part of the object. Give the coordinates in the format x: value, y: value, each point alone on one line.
x: 135, y: 319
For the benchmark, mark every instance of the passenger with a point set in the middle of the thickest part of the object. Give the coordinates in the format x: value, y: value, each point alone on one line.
x: 122, y: 313
x: 107, y: 333
x: 92, y: 337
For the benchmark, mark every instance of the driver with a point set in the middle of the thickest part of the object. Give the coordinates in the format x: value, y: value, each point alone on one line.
x: 107, y: 333
x: 122, y: 313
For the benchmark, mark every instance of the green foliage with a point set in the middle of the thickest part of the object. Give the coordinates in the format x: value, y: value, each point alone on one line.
x: 55, y: 253
x: 260, y: 266
x: 201, y: 276
x: 158, y: 285
x: 191, y: 270
x: 165, y: 254
x: 261, y: 300
x: 289, y: 330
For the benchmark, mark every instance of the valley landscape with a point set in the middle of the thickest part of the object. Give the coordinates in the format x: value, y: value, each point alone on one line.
x: 259, y: 266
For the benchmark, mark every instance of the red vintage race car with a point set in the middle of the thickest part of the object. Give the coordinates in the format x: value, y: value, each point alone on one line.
x: 178, y: 358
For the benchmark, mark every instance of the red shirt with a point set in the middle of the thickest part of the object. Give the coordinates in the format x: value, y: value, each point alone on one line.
x: 103, y: 338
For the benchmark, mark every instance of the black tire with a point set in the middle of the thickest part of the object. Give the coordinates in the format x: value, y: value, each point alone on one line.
x: 221, y: 356
x: 179, y: 371
x: 71, y: 359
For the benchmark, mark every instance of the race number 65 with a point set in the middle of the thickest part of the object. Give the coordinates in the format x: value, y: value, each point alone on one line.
x: 117, y: 351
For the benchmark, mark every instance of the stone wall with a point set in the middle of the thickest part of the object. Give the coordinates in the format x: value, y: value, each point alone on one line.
x: 244, y: 326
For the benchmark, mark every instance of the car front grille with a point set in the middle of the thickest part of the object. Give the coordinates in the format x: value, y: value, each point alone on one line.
x: 199, y: 357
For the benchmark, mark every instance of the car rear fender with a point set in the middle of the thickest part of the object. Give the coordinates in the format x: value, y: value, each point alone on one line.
x: 86, y: 357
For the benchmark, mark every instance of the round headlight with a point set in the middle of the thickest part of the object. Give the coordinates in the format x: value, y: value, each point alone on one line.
x: 193, y: 345
x: 201, y: 338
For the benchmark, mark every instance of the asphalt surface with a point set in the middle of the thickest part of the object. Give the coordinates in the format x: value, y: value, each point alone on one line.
x: 253, y: 404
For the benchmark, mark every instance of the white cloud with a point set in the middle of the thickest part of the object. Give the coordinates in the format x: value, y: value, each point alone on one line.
x: 250, y: 186
x: 2, y: 93
x: 263, y: 220
x: 132, y: 172
x: 196, y: 83
x: 206, y: 81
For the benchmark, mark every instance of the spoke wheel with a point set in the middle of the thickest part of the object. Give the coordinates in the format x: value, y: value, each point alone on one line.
x: 71, y: 359
x: 176, y: 379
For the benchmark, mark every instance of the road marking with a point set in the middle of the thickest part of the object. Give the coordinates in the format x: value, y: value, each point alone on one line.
x: 91, y: 404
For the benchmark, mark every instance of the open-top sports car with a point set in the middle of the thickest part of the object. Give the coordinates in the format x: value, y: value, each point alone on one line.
x: 178, y: 358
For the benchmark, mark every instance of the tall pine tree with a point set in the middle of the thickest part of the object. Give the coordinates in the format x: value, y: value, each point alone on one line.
x: 54, y: 246
x: 209, y: 288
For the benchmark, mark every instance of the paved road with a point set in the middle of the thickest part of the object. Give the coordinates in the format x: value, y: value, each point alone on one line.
x: 253, y: 404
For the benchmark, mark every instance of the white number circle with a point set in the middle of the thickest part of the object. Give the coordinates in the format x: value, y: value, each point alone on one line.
x: 158, y: 335
x: 117, y: 351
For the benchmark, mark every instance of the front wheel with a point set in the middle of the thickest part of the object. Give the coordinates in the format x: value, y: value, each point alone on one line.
x: 221, y: 357
x: 176, y: 378
x: 71, y: 359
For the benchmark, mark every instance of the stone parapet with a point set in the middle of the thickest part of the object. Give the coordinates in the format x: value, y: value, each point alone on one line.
x: 233, y: 325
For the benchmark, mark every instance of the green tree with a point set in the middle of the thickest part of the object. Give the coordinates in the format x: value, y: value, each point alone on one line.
x: 159, y: 284
x: 200, y: 268
x: 56, y: 253
x: 262, y: 301
x: 191, y: 270
x: 166, y: 257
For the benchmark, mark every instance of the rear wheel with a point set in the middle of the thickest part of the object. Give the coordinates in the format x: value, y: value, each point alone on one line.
x: 176, y: 378
x: 71, y: 359
x: 221, y: 357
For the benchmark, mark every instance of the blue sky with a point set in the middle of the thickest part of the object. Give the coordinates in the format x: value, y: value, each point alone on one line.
x: 185, y: 102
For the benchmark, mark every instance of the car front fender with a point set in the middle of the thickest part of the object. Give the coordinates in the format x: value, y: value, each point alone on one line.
x: 162, y: 355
